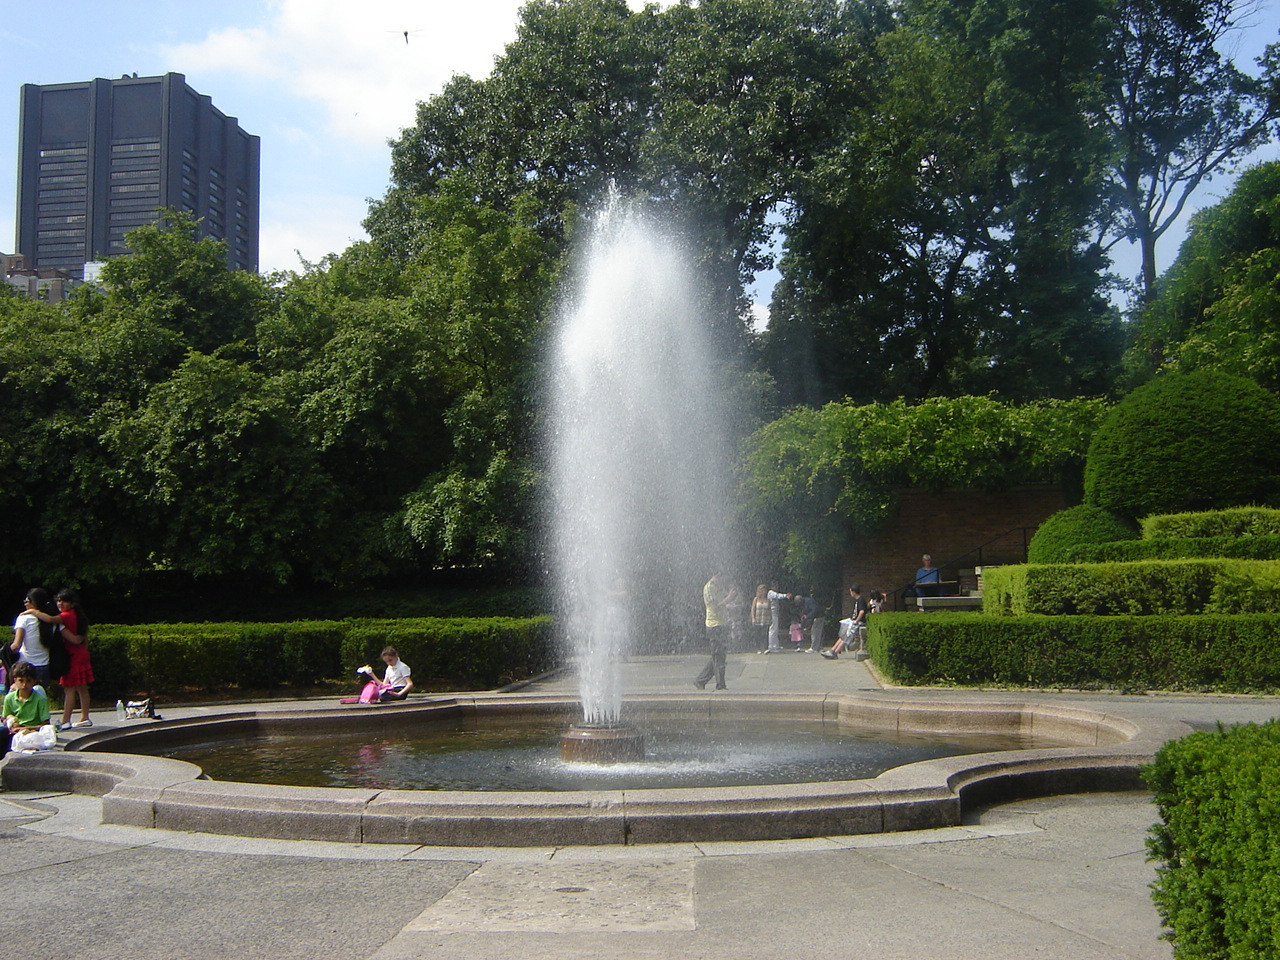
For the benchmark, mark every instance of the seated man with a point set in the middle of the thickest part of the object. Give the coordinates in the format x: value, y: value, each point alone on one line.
x: 928, y: 581
x: 26, y: 712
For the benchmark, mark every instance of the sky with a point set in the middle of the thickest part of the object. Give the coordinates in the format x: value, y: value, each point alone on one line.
x: 325, y: 85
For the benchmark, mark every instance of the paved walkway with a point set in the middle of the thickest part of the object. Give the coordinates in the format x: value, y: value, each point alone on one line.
x: 1061, y: 877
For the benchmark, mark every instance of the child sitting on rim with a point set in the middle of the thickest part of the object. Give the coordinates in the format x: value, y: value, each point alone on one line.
x: 394, y: 685
x: 26, y: 712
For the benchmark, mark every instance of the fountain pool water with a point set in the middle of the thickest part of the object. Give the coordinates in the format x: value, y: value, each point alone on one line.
x: 506, y: 753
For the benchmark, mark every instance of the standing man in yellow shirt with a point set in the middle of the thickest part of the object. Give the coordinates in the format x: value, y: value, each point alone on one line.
x: 714, y: 595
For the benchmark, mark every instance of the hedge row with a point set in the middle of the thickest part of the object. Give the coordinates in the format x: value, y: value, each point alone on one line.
x: 1233, y: 522
x: 464, y: 653
x: 1210, y: 651
x: 1218, y: 888
x: 1266, y: 547
x: 1151, y: 587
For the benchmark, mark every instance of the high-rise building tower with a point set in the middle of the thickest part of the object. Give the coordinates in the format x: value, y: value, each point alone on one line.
x: 96, y: 159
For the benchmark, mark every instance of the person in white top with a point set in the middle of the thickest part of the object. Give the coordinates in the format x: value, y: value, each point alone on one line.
x: 28, y: 642
x: 396, y: 682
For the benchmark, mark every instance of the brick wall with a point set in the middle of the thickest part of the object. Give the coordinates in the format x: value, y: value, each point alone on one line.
x: 948, y: 525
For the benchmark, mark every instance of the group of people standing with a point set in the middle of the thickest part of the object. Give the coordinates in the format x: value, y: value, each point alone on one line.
x: 770, y: 608
x: 50, y: 645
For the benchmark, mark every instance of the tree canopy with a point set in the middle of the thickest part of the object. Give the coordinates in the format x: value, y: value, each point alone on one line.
x: 946, y: 176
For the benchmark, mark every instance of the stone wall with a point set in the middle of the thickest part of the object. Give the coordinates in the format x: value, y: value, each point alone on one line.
x: 948, y: 525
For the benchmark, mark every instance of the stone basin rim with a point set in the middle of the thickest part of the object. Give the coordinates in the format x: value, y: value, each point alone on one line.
x: 1107, y: 752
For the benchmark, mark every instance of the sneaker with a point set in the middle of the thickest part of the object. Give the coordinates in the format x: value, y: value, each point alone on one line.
x: 829, y: 655
x: 62, y: 726
x: 700, y: 686
x: 81, y: 724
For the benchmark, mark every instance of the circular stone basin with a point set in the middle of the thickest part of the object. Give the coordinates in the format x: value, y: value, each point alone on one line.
x: 1105, y: 752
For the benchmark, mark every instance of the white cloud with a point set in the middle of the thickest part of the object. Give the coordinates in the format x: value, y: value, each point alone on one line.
x: 308, y: 228
x: 353, y: 59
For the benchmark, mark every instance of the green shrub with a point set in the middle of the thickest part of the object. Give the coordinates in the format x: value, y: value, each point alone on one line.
x: 1209, y: 651
x: 1147, y: 587
x: 461, y: 653
x: 1252, y: 589
x: 1200, y: 440
x: 1083, y: 524
x: 471, y: 652
x: 1240, y: 548
x: 1242, y: 522
x: 1218, y: 884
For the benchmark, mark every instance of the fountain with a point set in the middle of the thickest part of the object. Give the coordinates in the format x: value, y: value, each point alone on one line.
x: 638, y: 497
x: 638, y: 459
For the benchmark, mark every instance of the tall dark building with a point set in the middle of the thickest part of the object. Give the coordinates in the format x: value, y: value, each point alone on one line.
x: 96, y: 159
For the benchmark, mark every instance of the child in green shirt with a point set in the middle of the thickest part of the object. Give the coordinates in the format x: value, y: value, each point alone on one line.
x: 26, y: 712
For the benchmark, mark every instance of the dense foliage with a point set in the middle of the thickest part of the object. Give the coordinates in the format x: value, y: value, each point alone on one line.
x: 946, y: 176
x: 1204, y: 652
x: 1235, y: 522
x: 446, y: 653
x: 1186, y: 441
x: 355, y: 421
x: 1218, y: 843
x: 813, y: 477
x: 1149, y: 587
x: 1216, y: 305
x: 1067, y: 529
x: 1264, y: 547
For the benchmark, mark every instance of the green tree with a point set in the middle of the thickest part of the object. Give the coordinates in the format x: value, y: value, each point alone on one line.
x: 1216, y: 305
x: 940, y: 245
x: 1178, y: 110
x: 225, y: 479
x: 176, y: 279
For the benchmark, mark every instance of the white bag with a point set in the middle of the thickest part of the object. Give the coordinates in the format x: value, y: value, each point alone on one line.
x: 46, y: 738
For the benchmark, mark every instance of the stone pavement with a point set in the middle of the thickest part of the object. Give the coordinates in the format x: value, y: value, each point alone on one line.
x: 1059, y: 877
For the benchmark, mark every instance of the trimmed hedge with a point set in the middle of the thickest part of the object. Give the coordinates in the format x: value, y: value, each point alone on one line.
x: 1218, y: 887
x: 1210, y: 651
x: 1236, y: 522
x: 1199, y: 440
x: 466, y: 653
x: 1150, y: 587
x: 1077, y: 526
x: 1266, y: 547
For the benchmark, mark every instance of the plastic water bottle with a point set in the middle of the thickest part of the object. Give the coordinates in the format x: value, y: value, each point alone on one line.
x: 119, y: 711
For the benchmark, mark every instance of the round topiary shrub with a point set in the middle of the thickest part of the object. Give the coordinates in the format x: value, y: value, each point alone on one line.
x: 1199, y: 440
x: 1068, y: 528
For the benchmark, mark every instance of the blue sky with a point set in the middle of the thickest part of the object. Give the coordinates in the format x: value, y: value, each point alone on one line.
x: 324, y: 84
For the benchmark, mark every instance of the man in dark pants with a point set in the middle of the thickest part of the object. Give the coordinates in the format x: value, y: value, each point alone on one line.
x: 714, y: 595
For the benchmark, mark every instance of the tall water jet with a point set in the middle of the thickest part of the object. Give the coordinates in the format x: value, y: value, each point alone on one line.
x: 638, y: 454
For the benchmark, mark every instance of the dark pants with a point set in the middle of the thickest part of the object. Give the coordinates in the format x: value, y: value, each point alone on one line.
x: 717, y: 639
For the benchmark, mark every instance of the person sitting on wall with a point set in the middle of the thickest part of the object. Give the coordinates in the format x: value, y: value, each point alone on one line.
x: 928, y: 581
x: 26, y: 713
x: 853, y: 629
x: 394, y: 685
